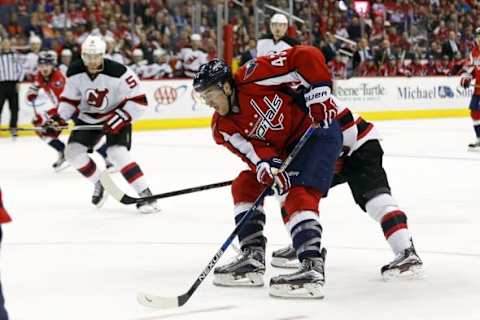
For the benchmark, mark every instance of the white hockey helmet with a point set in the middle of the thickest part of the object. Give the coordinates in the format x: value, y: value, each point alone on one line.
x: 93, y: 51
x: 137, y: 53
x: 159, y: 52
x: 66, y: 53
x: 279, y: 18
x: 196, y: 37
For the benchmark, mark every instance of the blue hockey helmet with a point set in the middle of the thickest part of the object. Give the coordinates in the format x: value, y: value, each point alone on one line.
x: 215, y: 72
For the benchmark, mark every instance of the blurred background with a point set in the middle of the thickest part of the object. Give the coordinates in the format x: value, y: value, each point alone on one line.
x: 358, y: 38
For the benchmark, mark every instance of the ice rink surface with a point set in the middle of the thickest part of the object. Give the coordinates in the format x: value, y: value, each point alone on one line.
x: 62, y: 259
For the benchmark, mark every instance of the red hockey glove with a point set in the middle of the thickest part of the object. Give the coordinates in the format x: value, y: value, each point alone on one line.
x: 53, y: 125
x: 119, y: 120
x: 465, y: 80
x: 323, y: 113
x: 267, y: 174
x: 32, y: 92
x: 38, y: 120
x: 322, y: 108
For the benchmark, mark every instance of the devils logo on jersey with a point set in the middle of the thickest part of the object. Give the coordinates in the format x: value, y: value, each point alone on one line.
x: 268, y: 118
x: 97, y: 98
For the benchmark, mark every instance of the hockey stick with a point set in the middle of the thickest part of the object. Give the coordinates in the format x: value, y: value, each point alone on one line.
x: 76, y: 128
x: 124, y: 198
x: 154, y: 301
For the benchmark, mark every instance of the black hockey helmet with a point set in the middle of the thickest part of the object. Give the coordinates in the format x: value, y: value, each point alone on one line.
x: 47, y: 57
x: 215, y: 72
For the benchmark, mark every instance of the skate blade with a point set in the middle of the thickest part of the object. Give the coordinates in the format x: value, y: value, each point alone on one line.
x: 61, y: 167
x: 252, y: 279
x: 102, y: 202
x: 305, y: 291
x: 474, y: 149
x: 415, y: 272
x: 149, y: 209
x: 285, y: 263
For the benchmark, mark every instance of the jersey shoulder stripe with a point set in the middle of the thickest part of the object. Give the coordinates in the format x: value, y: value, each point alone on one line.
x: 113, y: 69
x: 76, y: 67
x: 110, y: 68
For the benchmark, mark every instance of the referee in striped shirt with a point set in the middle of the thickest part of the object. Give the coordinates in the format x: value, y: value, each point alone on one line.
x: 11, y: 73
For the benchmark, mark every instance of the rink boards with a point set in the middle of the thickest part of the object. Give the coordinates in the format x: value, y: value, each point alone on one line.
x: 172, y: 103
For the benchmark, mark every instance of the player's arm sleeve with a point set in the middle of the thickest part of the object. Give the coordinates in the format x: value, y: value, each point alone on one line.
x: 250, y: 152
x: 300, y: 64
x: 135, y: 102
x: 69, y: 99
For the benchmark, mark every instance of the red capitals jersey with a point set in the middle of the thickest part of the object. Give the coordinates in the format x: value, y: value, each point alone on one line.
x: 474, y: 68
x: 267, y: 121
x: 53, y: 85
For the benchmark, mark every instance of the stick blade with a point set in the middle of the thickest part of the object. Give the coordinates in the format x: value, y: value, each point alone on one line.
x: 152, y: 301
x: 112, y: 189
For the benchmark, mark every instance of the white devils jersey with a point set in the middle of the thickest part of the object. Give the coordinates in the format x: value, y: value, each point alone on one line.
x: 157, y: 71
x: 191, y: 60
x: 96, y: 98
x: 30, y: 64
x: 267, y: 45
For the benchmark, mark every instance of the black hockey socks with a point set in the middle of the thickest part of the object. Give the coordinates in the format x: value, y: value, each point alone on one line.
x: 57, y: 145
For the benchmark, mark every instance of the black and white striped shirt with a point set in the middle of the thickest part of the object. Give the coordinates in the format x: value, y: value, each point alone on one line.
x: 10, y: 67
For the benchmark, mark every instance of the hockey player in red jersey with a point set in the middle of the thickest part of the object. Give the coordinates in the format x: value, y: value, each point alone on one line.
x: 52, y: 81
x: 260, y: 122
x: 106, y: 93
x: 472, y: 71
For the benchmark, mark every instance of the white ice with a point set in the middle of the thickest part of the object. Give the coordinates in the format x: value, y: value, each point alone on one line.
x: 63, y: 259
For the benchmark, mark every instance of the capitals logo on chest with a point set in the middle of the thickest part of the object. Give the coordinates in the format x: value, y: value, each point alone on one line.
x: 97, y: 98
x: 269, y: 119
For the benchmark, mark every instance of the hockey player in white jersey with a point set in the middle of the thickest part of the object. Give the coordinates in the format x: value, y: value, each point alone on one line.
x: 160, y: 68
x: 65, y: 60
x: 191, y: 58
x: 103, y: 92
x: 360, y: 165
x: 31, y: 59
x: 139, y: 63
x: 277, y: 40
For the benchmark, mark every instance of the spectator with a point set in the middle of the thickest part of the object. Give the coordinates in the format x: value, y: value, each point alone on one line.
x: 65, y: 60
x: 383, y: 52
x: 250, y: 53
x: 367, y: 69
x: 329, y: 50
x: 31, y: 58
x: 450, y: 47
x: 362, y: 53
x: 71, y: 44
x: 355, y: 29
x: 191, y: 58
x: 444, y: 68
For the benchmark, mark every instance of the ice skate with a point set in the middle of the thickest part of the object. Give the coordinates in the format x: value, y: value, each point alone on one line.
x: 99, y: 195
x: 285, y: 258
x: 475, y: 146
x: 147, y: 207
x: 307, y: 282
x: 246, y: 270
x: 61, y: 162
x: 407, y: 265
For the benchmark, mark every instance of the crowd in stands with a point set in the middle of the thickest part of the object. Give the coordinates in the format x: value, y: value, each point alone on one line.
x: 397, y: 38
